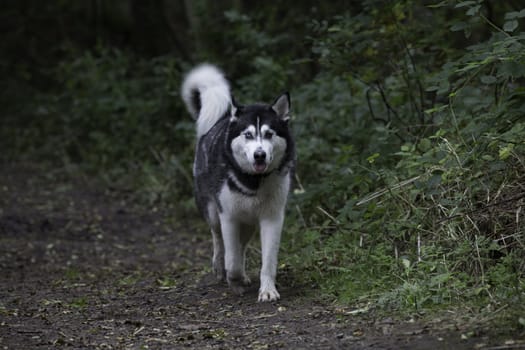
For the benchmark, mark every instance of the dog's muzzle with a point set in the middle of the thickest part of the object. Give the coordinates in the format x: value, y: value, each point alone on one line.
x: 260, y: 161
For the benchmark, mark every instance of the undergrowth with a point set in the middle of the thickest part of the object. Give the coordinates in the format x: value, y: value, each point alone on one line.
x: 420, y: 208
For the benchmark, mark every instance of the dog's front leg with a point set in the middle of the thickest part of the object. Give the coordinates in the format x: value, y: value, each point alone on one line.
x: 270, y: 239
x: 233, y: 253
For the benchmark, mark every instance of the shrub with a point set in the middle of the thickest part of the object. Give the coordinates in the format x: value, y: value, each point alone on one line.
x: 411, y: 164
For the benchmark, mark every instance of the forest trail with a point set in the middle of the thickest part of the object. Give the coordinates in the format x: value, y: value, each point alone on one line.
x: 85, y: 267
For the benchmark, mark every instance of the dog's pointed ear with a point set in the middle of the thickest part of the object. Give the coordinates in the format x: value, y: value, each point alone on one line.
x: 234, y: 102
x: 234, y: 107
x: 282, y: 105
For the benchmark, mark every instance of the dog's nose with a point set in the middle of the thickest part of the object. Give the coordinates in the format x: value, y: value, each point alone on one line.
x: 259, y: 155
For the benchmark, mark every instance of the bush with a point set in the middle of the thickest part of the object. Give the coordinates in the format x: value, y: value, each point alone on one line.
x: 414, y: 190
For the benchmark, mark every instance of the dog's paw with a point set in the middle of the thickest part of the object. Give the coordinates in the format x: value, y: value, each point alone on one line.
x: 268, y: 294
x: 220, y: 274
x: 237, y: 286
x: 219, y: 271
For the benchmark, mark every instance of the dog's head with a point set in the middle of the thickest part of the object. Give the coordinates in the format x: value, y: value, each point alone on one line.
x: 259, y: 135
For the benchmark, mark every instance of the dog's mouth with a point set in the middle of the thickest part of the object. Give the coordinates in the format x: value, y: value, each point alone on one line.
x: 259, y: 167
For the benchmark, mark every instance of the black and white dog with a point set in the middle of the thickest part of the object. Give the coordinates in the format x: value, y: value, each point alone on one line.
x: 244, y: 163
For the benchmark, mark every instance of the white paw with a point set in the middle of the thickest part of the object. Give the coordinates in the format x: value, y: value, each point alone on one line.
x: 268, y: 294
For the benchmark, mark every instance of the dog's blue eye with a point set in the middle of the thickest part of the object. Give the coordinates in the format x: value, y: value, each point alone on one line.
x: 248, y: 135
x: 268, y: 135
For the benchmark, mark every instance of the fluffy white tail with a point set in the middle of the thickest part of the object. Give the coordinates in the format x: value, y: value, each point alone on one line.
x: 206, y: 94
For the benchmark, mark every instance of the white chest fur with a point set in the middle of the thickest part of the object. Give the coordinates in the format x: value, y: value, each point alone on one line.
x: 269, y: 200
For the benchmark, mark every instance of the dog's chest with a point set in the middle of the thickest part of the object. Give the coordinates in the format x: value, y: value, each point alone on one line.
x: 267, y: 200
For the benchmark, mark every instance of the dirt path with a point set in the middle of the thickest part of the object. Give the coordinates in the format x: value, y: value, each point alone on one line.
x: 82, y: 267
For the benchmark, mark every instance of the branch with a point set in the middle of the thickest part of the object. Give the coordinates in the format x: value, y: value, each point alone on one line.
x: 385, y: 100
x: 371, y: 109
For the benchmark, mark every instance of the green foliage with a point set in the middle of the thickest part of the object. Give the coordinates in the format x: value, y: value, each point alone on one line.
x: 410, y: 182
x: 115, y: 114
x: 112, y: 96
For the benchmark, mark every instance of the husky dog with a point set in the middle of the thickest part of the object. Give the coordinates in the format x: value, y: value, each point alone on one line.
x: 244, y: 163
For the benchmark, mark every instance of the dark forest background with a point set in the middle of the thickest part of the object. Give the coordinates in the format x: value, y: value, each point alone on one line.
x: 408, y: 116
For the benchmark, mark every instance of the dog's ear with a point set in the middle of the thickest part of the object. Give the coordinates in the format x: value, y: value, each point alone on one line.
x: 234, y: 110
x: 282, y: 105
x: 234, y: 102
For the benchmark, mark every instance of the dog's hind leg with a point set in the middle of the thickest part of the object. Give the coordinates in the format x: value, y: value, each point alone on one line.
x: 218, y: 254
x: 233, y: 253
x: 218, y: 244
x: 247, y: 232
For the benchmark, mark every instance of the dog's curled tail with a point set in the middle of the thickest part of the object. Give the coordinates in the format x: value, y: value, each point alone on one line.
x: 206, y: 93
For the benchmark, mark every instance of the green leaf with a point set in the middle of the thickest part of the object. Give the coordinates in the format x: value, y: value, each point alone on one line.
x: 511, y: 69
x: 456, y: 27
x: 406, y: 263
x: 473, y: 10
x: 477, y: 291
x: 441, y: 4
x: 333, y: 29
x: 436, y: 109
x: 488, y: 79
x: 425, y: 144
x: 372, y: 158
x: 440, y: 279
x: 465, y: 3
x: 505, y: 152
x: 515, y: 14
x: 434, y: 181
x: 510, y: 26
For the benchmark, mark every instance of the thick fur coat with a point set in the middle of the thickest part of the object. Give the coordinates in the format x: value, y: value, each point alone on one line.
x: 244, y: 163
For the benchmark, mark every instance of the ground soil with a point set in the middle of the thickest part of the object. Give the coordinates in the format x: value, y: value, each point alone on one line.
x: 86, y: 267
